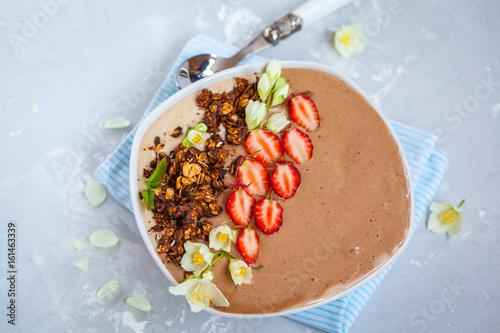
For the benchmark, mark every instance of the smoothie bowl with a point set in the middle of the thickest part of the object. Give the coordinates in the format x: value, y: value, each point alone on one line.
x: 265, y: 191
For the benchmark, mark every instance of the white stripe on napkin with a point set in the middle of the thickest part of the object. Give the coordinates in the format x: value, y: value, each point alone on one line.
x: 427, y: 164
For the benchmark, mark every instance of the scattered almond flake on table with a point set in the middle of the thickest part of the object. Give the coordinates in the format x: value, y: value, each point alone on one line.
x: 139, y: 303
x: 416, y: 263
x: 103, y: 238
x: 79, y: 245
x: 107, y: 288
x: 34, y: 109
x: 117, y: 123
x: 83, y: 264
x: 95, y: 192
x: 16, y: 133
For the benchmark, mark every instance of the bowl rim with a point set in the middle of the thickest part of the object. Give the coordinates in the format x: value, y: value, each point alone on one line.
x: 231, y: 73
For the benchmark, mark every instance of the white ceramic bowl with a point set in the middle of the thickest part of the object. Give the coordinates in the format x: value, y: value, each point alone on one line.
x: 228, y: 74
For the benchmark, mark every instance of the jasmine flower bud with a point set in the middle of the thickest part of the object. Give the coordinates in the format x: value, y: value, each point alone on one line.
x: 277, y: 122
x: 280, y: 94
x: 273, y: 69
x: 255, y: 113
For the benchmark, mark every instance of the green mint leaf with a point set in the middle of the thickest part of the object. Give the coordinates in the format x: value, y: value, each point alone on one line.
x: 154, y: 180
x: 149, y: 197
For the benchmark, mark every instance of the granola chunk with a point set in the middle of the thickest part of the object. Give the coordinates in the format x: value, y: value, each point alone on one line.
x: 177, y: 132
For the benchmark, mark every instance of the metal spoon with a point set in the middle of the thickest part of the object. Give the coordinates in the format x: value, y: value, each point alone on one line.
x: 203, y: 65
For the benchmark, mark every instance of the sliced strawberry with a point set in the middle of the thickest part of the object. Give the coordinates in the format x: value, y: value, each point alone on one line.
x: 248, y: 245
x: 285, y: 180
x: 298, y: 145
x: 303, y: 112
x: 239, y: 206
x: 268, y: 215
x: 254, y: 176
x: 267, y: 144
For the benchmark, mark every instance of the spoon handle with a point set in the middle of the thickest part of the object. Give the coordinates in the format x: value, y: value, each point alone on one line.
x: 300, y: 17
x: 315, y: 9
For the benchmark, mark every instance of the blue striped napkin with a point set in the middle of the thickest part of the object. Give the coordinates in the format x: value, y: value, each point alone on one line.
x: 427, y: 165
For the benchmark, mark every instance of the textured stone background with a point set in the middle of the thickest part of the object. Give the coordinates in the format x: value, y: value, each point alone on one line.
x: 433, y: 65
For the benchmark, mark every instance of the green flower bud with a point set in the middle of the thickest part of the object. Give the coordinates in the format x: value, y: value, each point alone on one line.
x: 280, y: 83
x: 208, y: 275
x: 273, y: 69
x: 280, y: 95
x: 264, y: 87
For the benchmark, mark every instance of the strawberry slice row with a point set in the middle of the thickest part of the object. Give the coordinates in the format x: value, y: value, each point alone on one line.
x: 266, y: 148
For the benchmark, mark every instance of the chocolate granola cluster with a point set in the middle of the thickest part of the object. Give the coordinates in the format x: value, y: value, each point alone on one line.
x: 228, y: 109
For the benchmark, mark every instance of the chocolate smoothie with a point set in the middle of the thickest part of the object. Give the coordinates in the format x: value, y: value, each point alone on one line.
x: 349, y: 215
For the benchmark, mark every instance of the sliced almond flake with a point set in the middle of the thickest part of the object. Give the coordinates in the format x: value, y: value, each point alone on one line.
x: 16, y: 133
x: 83, y: 264
x: 34, y: 109
x: 103, y: 238
x: 107, y: 288
x: 139, y: 303
x: 117, y: 123
x: 79, y: 245
x: 95, y: 192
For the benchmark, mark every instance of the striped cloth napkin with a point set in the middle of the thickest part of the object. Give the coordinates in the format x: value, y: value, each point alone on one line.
x: 427, y: 165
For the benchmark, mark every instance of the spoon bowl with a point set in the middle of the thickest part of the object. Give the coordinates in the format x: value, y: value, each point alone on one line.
x: 201, y: 66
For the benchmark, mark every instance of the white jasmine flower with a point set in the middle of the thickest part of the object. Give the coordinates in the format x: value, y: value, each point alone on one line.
x: 273, y: 69
x: 221, y: 237
x: 240, y: 272
x: 349, y: 40
x: 196, y: 136
x: 197, y: 258
x: 445, y: 217
x: 255, y: 113
x: 200, y: 292
x: 277, y: 122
